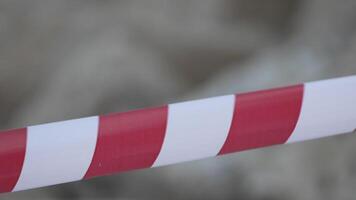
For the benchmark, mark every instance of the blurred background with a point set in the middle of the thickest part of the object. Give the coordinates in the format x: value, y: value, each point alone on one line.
x: 69, y: 59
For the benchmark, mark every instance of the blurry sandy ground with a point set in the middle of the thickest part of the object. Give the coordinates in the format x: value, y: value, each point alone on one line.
x: 68, y: 59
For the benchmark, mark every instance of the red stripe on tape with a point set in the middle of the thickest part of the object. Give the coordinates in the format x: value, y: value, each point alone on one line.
x: 128, y: 141
x: 264, y: 118
x: 12, y: 155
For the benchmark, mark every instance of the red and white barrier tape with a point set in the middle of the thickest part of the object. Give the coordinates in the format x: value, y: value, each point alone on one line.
x: 79, y: 149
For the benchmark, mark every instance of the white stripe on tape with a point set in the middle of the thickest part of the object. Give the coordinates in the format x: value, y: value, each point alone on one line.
x: 196, y: 129
x: 58, y: 152
x: 328, y: 108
